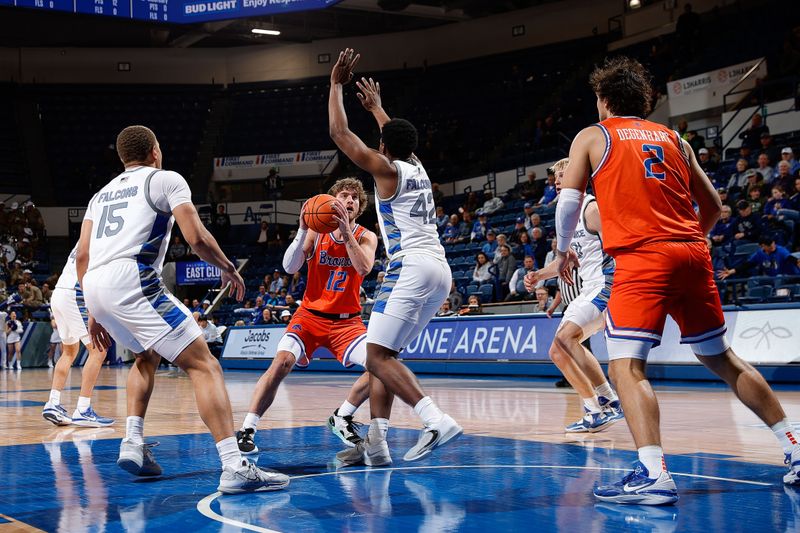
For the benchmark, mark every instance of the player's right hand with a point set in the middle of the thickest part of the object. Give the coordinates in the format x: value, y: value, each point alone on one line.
x: 233, y: 281
x: 303, y: 225
x: 100, y: 337
x: 370, y: 95
x: 342, y: 71
x: 530, y: 280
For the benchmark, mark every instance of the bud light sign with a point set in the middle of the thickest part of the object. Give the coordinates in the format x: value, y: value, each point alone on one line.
x: 196, y: 273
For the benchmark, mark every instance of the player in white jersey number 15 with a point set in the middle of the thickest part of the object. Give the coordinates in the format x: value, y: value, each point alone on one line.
x: 418, y: 278
x: 123, y: 241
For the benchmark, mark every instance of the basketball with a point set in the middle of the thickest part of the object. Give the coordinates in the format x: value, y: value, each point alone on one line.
x: 319, y: 213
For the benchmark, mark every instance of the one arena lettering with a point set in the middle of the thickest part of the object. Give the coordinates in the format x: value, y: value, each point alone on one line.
x: 334, y: 261
x: 500, y: 340
x: 121, y: 194
x: 210, y: 7
x: 642, y: 135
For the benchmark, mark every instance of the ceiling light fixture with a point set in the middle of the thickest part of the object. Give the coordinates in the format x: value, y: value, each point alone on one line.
x: 265, y: 32
x: 634, y: 4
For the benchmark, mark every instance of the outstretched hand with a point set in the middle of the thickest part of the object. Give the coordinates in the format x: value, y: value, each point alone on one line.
x: 566, y: 262
x: 370, y: 95
x: 342, y: 71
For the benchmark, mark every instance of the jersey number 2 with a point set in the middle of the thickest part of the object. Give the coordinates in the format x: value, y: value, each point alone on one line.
x: 110, y: 224
x: 656, y: 157
x: 336, y: 280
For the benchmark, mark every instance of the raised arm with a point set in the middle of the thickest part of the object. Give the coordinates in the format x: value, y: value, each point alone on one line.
x: 348, y: 142
x: 370, y: 98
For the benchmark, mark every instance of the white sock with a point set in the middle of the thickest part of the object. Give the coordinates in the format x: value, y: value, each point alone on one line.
x: 652, y: 457
x: 229, y: 453
x: 55, y: 397
x: 428, y: 411
x: 250, y: 421
x: 785, y: 433
x: 591, y: 404
x: 83, y: 403
x: 378, y: 428
x: 606, y: 391
x: 134, y: 429
x: 347, y: 409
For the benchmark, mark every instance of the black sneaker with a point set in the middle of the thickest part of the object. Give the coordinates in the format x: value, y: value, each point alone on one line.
x: 344, y: 428
x: 244, y: 438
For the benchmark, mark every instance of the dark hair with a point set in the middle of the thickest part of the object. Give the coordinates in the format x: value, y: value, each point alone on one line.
x: 135, y: 143
x: 400, y: 138
x: 767, y: 241
x: 625, y: 85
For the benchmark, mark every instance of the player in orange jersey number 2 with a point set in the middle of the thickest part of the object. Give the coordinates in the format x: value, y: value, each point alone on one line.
x: 645, y: 178
x: 329, y: 315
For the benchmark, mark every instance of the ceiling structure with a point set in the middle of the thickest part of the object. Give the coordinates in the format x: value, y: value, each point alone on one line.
x: 29, y: 28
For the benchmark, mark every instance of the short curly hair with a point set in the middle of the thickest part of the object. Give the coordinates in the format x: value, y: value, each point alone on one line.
x: 400, y: 138
x: 351, y: 184
x: 561, y: 164
x: 625, y: 85
x: 135, y: 143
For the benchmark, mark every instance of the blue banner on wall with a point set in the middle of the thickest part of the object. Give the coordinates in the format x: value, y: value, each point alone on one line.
x: 196, y: 273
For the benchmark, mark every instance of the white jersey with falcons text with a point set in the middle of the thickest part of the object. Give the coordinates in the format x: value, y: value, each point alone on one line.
x: 132, y: 216
x: 595, y: 267
x: 408, y: 217
x: 69, y: 275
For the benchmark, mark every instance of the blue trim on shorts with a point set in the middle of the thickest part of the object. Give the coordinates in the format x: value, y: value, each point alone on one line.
x: 346, y: 357
x: 154, y: 291
x: 389, y: 281
x: 709, y: 334
x: 81, y: 302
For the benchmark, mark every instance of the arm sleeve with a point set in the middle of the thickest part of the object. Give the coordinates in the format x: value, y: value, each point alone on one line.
x: 168, y: 190
x: 294, y: 258
x: 568, y: 212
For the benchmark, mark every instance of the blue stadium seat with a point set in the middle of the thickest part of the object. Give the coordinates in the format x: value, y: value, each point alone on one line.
x: 757, y: 294
x: 487, y: 292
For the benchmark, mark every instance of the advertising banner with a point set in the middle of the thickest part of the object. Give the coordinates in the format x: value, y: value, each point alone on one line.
x: 706, y: 90
x: 290, y: 164
x: 196, y: 273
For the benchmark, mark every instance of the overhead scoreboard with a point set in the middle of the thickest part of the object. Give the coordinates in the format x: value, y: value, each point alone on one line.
x: 174, y: 11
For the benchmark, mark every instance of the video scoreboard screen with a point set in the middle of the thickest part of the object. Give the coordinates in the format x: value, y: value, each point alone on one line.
x: 174, y: 11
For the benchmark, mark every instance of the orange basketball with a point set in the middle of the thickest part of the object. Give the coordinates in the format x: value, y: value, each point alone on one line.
x: 319, y: 212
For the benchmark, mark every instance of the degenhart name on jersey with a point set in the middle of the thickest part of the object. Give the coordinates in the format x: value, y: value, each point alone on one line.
x: 334, y: 261
x: 626, y: 134
x: 110, y: 196
x: 413, y: 184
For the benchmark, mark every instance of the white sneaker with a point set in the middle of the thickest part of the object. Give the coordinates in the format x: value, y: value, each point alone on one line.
x: 434, y: 436
x: 366, y: 453
x: 56, y: 414
x: 250, y: 478
x: 793, y: 460
x: 19, y: 365
x: 137, y: 459
x: 49, y: 364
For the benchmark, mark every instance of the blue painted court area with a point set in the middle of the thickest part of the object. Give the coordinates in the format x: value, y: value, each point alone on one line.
x: 475, y: 484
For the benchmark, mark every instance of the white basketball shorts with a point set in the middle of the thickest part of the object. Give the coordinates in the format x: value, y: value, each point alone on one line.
x: 69, y: 311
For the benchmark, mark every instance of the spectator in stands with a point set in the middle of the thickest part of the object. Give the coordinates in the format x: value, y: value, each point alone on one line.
x: 751, y: 137
x: 502, y: 240
x: 196, y: 307
x: 265, y: 317
x: 188, y: 303
x: 473, y: 306
x: 708, y: 165
x: 784, y: 176
x: 471, y: 202
x: 516, y: 285
x: 451, y: 233
x: 441, y: 220
x: 455, y: 297
x: 438, y: 196
x: 221, y: 224
x: 724, y: 197
x: 210, y: 332
x: 766, y: 171
x: 465, y: 228
x: 31, y: 296
x: 528, y: 209
x: 204, y: 307
x: 525, y: 247
x: 526, y: 190
x: 696, y: 141
x: 768, y: 148
x: 276, y: 283
x: 540, y: 245
x: 770, y: 260
x: 506, y: 265
x: 543, y: 300
x: 272, y: 299
x: 177, y: 250
x: 446, y: 309
x: 722, y: 232
x: 756, y: 201
x: 748, y: 227
x: 281, y: 304
x: 534, y: 221
x: 291, y: 304
x: 738, y: 180
x: 491, y: 204
x: 259, y: 304
x: 481, y: 274
x: 519, y: 229
x: 747, y: 154
x: 480, y: 228
x: 551, y: 255
x: 263, y: 234
x: 550, y: 195
x: 776, y: 201
x: 297, y: 287
x: 286, y: 316
x: 47, y: 292
x: 683, y: 128
x: 788, y: 155
x: 15, y: 275
x: 239, y: 323
x: 490, y: 245
x: 754, y: 181
x: 795, y: 197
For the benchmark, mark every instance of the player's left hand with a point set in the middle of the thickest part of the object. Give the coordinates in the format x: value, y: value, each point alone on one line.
x: 370, y: 95
x: 342, y: 71
x: 233, y: 280
x: 530, y: 280
x: 566, y: 261
x: 100, y: 337
x: 341, y: 217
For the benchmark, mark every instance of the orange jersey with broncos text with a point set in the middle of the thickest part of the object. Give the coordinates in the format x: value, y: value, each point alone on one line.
x: 642, y: 186
x: 333, y: 284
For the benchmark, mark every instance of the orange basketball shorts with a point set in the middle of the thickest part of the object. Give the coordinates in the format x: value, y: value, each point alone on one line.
x: 341, y: 336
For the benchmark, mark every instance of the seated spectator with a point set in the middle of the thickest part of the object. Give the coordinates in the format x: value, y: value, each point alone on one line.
x: 506, y: 265
x: 543, y: 300
x: 276, y: 284
x: 747, y: 154
x: 491, y: 204
x: 738, y: 179
x: 286, y: 316
x: 696, y: 141
x: 441, y: 219
x: 481, y: 274
x: 239, y: 323
x: 378, y: 282
x: 473, y: 306
x: 465, y: 228
x: 445, y: 309
x: 784, y: 178
x: 524, y: 247
x: 272, y: 299
x: 480, y: 227
x: 196, y: 307
x: 550, y: 193
x: 438, y: 196
x: 490, y: 245
x: 188, y: 303
x: 788, y: 155
x: 768, y: 148
x: 776, y: 202
x: 210, y: 333
x: 265, y: 317
x: 724, y: 197
x: 204, y: 307
x: 540, y: 245
x: 771, y: 260
x: 708, y: 165
x: 722, y: 232
x: 756, y: 201
x: 471, y: 202
x: 455, y: 297
x: 534, y: 221
x: 516, y: 285
x: 751, y: 137
x: 31, y: 296
x: 297, y: 286
x: 502, y: 240
x: 47, y: 292
x: 177, y: 250
x: 754, y: 181
x: 519, y: 229
x: 795, y: 197
x: 262, y: 291
x: 451, y: 231
x: 526, y: 190
x: 763, y: 168
x: 528, y: 209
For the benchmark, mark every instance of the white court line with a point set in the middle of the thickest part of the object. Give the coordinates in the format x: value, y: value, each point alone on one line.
x: 204, y: 505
